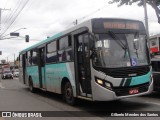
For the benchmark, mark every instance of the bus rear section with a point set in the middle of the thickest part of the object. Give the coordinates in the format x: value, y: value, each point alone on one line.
x: 154, y: 44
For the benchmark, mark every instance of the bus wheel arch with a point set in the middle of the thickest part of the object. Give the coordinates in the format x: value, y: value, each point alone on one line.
x: 67, y: 91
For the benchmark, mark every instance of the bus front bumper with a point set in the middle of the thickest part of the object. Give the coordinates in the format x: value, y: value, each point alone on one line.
x: 103, y: 94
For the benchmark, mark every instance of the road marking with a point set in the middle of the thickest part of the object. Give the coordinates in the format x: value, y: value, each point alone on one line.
x: 1, y: 86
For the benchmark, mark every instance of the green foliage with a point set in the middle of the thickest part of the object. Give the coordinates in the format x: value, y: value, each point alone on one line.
x: 155, y: 4
x: 130, y: 2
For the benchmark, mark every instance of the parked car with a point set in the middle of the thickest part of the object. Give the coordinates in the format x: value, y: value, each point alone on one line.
x: 7, y: 74
x: 156, y: 73
x: 16, y: 73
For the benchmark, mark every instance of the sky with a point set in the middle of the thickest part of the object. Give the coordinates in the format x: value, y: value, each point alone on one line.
x: 43, y: 18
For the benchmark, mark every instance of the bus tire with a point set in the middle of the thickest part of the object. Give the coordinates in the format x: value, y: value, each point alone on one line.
x: 68, y: 94
x: 31, y: 87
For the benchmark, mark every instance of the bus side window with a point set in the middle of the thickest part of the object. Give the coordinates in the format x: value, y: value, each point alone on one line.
x: 80, y: 49
x: 65, y: 49
x: 69, y: 54
x: 29, y: 61
x: 51, y: 52
x: 34, y: 57
x: 61, y: 55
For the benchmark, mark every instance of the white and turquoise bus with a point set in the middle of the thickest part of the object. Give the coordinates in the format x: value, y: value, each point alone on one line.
x: 101, y: 59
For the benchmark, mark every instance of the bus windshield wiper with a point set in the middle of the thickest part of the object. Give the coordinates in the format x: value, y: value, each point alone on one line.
x: 116, y: 38
x: 119, y: 42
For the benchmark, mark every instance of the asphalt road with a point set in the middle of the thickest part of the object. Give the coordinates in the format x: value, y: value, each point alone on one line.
x: 15, y: 96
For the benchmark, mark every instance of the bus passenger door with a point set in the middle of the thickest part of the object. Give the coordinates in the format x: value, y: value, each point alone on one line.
x: 83, y: 64
x: 41, y: 67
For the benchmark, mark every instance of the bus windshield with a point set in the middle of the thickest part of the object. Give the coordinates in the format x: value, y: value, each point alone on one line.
x: 121, y: 50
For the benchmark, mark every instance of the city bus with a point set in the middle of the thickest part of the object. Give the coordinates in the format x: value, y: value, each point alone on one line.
x: 155, y: 44
x: 102, y: 59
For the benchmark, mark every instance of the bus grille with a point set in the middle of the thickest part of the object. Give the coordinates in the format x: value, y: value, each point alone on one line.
x: 123, y: 91
x: 125, y: 72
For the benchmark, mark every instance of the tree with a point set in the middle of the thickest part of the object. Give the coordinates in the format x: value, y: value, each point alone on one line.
x: 155, y: 4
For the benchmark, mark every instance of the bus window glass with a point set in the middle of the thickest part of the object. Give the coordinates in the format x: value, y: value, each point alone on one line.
x: 99, y: 44
x: 86, y: 40
x: 65, y: 49
x: 63, y: 43
x: 61, y: 55
x: 34, y: 58
x: 122, y: 50
x: 51, y: 57
x: 137, y: 48
x: 69, y: 54
x: 51, y: 47
x: 51, y: 52
x: 29, y: 58
x: 65, y: 55
x: 106, y: 43
x: 153, y: 42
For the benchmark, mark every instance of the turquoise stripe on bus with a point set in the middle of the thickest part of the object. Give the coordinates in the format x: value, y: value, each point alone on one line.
x: 55, y: 73
x: 140, y: 79
x: 33, y: 72
x: 128, y: 82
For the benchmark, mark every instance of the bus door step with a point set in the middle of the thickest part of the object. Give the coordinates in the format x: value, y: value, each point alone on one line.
x: 43, y: 89
x: 86, y: 98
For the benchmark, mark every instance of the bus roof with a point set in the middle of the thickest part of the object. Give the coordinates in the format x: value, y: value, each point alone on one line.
x: 42, y: 42
x: 84, y: 24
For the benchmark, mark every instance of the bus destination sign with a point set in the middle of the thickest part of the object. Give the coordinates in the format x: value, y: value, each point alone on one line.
x: 121, y: 25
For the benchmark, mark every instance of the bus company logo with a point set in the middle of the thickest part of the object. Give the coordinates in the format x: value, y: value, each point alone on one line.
x: 6, y: 114
x: 133, y: 74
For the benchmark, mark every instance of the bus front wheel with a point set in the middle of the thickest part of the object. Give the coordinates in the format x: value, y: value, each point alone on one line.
x: 68, y: 94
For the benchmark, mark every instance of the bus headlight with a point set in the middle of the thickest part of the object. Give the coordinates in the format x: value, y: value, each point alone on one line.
x: 108, y: 85
x: 104, y: 83
x: 100, y: 82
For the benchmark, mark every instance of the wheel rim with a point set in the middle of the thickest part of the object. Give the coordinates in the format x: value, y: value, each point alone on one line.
x: 68, y: 93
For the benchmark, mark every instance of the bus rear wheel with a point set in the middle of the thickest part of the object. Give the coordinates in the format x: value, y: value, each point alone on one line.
x: 31, y: 88
x: 68, y: 94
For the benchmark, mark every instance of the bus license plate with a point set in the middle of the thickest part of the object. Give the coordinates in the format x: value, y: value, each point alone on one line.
x: 133, y: 91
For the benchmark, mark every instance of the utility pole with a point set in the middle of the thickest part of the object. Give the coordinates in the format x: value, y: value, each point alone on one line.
x: 1, y: 17
x: 146, y: 21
